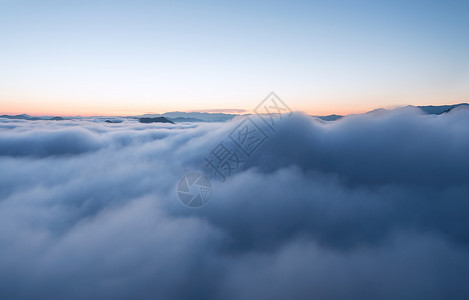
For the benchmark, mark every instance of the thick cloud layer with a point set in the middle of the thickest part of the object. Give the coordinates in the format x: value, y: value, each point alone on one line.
x: 370, y: 206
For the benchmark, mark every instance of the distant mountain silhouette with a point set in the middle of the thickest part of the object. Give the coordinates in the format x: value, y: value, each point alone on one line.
x: 438, y: 110
x: 428, y: 109
x: 20, y: 117
x: 178, y: 117
x: 155, y: 120
x: 203, y: 117
x: 182, y: 119
x: 330, y: 117
x: 28, y: 117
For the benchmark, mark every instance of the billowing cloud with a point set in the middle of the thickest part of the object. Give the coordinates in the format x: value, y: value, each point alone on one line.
x: 369, y: 206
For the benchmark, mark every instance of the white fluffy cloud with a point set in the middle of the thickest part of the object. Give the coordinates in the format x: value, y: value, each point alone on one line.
x: 370, y: 206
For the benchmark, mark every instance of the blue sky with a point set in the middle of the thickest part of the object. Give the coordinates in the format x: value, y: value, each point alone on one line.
x: 131, y: 57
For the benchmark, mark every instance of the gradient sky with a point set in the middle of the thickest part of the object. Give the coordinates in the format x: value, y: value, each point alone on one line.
x: 130, y: 57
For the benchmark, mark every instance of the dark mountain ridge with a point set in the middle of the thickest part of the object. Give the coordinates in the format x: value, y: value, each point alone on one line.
x: 155, y: 120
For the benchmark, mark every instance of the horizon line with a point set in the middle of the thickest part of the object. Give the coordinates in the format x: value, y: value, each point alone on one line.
x: 218, y: 111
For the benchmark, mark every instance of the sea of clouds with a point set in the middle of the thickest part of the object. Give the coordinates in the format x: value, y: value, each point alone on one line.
x: 372, y: 206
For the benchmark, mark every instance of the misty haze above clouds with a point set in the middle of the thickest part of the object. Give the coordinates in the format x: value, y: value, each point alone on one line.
x: 368, y: 206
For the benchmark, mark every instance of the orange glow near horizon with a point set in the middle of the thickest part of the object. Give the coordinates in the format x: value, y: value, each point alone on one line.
x: 70, y: 111
x: 134, y: 113
x: 54, y: 108
x: 237, y: 104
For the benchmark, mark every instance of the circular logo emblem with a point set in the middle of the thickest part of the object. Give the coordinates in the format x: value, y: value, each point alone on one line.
x: 194, y: 189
